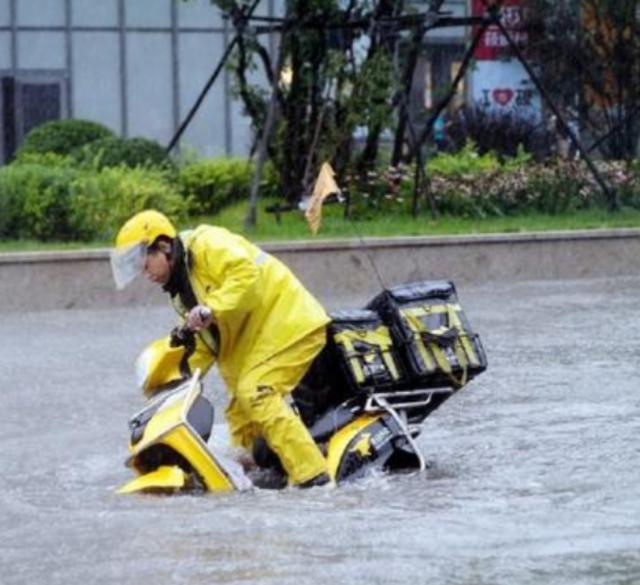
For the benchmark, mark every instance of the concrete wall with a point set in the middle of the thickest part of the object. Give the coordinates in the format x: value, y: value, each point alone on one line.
x: 65, y: 280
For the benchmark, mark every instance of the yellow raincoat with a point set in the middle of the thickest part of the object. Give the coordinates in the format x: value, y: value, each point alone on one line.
x: 271, y: 328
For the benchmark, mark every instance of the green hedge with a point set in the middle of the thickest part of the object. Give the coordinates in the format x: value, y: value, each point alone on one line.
x: 211, y: 184
x: 102, y: 201
x: 34, y: 202
x: 62, y: 137
x: 48, y: 196
x: 67, y: 203
x: 114, y: 151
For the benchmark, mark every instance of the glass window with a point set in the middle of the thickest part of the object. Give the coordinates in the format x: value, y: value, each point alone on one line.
x: 40, y: 13
x: 148, y: 13
x: 150, y: 85
x: 5, y: 50
x: 199, y: 14
x: 92, y: 13
x: 41, y: 50
x: 40, y: 102
x: 5, y: 14
x: 242, y: 136
x: 96, y: 63
x: 28, y: 100
x: 207, y: 130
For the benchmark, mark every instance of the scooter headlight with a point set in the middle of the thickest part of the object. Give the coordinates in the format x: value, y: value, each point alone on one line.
x: 143, y: 364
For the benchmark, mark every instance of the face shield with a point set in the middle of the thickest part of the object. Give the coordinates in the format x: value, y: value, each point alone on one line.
x: 127, y: 263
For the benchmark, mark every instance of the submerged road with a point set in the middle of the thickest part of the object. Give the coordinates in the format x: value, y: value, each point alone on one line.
x: 533, y: 478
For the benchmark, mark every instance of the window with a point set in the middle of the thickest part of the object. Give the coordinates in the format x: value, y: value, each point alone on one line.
x: 27, y: 100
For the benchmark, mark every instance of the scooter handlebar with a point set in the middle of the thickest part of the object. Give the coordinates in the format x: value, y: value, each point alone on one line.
x: 181, y: 335
x: 184, y: 334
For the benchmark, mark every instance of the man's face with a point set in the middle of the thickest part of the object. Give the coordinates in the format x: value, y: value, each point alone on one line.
x: 157, y: 267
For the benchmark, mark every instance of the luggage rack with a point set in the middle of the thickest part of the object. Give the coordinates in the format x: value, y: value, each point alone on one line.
x: 396, y: 405
x: 402, y: 399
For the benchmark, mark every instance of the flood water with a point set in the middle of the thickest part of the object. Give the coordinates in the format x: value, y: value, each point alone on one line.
x: 533, y: 475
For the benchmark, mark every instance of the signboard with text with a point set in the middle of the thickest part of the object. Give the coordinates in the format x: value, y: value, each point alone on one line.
x: 499, y: 81
x: 493, y: 44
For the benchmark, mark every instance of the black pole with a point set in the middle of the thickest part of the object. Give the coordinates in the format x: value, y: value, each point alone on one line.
x: 252, y: 213
x: 610, y: 194
x: 240, y: 24
x: 419, y: 174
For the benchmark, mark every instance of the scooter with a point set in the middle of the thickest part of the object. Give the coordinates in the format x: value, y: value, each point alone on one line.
x: 383, y: 371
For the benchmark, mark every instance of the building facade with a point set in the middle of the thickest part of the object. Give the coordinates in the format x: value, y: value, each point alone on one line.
x: 138, y: 66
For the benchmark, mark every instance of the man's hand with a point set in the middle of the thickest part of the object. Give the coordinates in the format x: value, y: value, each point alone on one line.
x: 200, y: 317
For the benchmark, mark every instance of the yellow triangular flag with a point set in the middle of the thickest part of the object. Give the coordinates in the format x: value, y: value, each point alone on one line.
x: 325, y: 186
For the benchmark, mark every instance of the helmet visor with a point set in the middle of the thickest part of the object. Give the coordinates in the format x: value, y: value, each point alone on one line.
x: 127, y: 263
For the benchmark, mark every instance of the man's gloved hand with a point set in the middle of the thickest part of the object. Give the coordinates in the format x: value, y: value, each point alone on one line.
x: 200, y: 317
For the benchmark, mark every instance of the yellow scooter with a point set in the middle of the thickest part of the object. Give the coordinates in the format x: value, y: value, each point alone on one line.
x: 169, y: 450
x: 372, y: 420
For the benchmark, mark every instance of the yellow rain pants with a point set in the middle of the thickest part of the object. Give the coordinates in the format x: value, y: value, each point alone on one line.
x: 258, y: 408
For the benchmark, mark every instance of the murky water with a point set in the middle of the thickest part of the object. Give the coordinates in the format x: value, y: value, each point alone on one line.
x: 534, y: 468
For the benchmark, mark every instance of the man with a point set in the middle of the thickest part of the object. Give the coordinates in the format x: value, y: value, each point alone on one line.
x: 253, y: 316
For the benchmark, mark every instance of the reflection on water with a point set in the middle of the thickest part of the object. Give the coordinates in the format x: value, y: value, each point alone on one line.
x: 532, y: 480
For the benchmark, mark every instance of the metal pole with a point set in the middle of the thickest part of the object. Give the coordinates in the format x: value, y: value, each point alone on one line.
x: 68, y: 49
x: 203, y: 94
x: 124, y: 101
x: 240, y: 23
x: 228, y: 126
x: 13, y: 10
x: 252, y: 213
x: 175, y: 65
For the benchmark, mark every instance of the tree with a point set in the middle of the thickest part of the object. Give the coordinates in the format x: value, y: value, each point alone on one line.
x: 334, y: 96
x: 599, y: 75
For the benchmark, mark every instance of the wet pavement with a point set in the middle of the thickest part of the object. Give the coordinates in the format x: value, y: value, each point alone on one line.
x: 533, y: 480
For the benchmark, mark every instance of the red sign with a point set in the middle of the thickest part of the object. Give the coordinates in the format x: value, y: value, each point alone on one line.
x: 493, y: 43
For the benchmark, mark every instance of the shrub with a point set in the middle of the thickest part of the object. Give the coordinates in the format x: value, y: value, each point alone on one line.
x: 558, y: 187
x: 464, y: 162
x: 10, y: 187
x: 389, y: 191
x: 34, y: 202
x: 62, y: 136
x: 47, y: 159
x: 101, y: 202
x: 114, y: 151
x: 211, y: 184
x: 502, y: 133
x: 67, y: 203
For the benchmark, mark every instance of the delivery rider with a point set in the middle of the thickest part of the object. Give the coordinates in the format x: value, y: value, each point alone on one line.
x: 252, y: 315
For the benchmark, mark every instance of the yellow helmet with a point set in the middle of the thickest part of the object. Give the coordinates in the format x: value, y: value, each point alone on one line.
x: 135, y: 236
x: 145, y: 227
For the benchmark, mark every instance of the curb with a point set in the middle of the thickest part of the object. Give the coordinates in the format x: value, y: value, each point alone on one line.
x: 337, y: 268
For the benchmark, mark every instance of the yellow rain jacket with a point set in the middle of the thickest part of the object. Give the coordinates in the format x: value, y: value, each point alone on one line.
x: 270, y: 330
